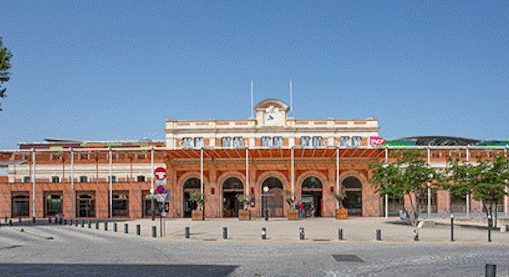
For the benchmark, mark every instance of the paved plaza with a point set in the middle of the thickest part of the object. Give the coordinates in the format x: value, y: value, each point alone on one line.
x: 49, y: 249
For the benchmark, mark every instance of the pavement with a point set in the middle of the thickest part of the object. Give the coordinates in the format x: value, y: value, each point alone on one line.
x: 48, y: 249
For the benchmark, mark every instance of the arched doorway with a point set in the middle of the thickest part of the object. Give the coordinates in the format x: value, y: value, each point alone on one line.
x: 190, y: 185
x: 272, y: 200
x: 232, y: 187
x: 312, y: 196
x: 353, y: 199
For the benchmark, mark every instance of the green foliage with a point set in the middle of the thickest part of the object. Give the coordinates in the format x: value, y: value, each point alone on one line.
x: 340, y: 195
x: 289, y: 198
x: 199, y: 198
x: 5, y: 65
x: 244, y: 199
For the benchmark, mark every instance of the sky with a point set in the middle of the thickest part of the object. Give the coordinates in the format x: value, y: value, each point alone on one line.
x: 116, y: 70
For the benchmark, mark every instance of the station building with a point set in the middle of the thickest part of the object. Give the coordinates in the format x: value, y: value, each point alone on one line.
x: 311, y: 158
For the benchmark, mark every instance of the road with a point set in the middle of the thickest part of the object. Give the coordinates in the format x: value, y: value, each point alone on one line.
x: 64, y: 250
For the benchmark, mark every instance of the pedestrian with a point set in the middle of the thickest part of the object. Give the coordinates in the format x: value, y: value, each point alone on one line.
x: 301, y: 209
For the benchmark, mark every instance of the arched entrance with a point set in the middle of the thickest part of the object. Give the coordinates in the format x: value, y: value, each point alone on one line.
x: 190, y: 185
x: 353, y: 200
x: 232, y: 187
x: 272, y: 201
x: 312, y: 196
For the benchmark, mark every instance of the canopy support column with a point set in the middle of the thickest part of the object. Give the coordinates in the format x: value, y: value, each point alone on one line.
x: 337, y: 174
x: 110, y: 187
x: 386, y: 203
x: 33, y: 182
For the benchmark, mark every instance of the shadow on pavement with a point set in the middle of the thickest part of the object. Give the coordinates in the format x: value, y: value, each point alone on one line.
x: 23, y: 269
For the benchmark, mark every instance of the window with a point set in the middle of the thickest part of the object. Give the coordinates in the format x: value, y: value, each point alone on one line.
x: 317, y: 141
x: 305, y: 141
x: 26, y: 179
x: 277, y: 142
x: 356, y: 141
x: 187, y: 142
x: 198, y: 142
x: 113, y: 179
x: 266, y: 141
x: 140, y: 178
x: 83, y: 179
x: 55, y: 179
x: 226, y: 142
x: 238, y: 142
x: 120, y: 204
x: 344, y: 141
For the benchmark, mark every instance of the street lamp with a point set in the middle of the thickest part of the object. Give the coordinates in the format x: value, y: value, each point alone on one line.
x: 266, y: 211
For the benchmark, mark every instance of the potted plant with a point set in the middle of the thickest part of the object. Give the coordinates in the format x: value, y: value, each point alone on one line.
x: 245, y: 213
x: 340, y: 195
x: 289, y: 197
x: 199, y: 199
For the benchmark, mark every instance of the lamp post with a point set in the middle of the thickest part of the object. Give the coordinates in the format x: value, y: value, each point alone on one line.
x: 265, y: 210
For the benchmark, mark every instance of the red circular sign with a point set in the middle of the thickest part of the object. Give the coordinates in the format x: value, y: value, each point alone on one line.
x: 160, y: 189
x: 160, y: 173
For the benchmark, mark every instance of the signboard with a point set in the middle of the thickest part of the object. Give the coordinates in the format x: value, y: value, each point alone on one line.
x: 400, y: 143
x: 160, y: 189
x: 160, y: 173
x: 376, y: 141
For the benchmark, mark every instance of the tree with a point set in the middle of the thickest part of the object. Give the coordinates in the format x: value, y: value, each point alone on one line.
x: 5, y: 65
x: 407, y: 179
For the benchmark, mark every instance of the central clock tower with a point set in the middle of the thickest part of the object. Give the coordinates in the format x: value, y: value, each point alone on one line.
x: 271, y: 113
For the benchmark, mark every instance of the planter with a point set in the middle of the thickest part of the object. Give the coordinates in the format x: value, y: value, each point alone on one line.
x: 244, y: 215
x: 341, y: 213
x: 292, y: 215
x: 197, y: 215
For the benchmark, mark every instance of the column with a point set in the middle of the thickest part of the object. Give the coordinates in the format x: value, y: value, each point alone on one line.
x: 33, y: 183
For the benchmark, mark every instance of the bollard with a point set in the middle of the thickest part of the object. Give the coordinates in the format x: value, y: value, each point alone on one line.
x: 89, y: 224
x: 76, y: 223
x: 378, y: 234
x: 302, y: 236
x: 225, y: 233
x: 10, y: 222
x: 126, y: 228
x: 19, y: 219
x: 65, y: 221
x: 33, y: 220
x: 340, y: 234
x: 61, y: 221
x: 97, y: 225
x: 186, y: 232
x: 452, y: 227
x: 5, y: 219
x: 490, y: 270
x: 154, y: 231
x: 106, y: 226
x: 49, y: 220
x: 490, y: 226
x: 71, y: 222
x: 416, y: 235
x: 115, y: 227
x: 138, y: 230
x: 82, y: 223
x: 264, y: 233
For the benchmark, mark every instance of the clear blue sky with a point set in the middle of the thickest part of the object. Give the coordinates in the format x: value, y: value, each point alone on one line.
x: 109, y: 70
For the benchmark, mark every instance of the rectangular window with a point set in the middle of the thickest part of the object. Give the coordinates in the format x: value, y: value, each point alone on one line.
x: 83, y: 179
x: 344, y: 141
x: 317, y: 141
x: 238, y: 142
x: 55, y: 179
x: 277, y: 142
x: 26, y: 179
x: 187, y: 142
x: 120, y: 204
x: 140, y: 178
x: 198, y: 142
x: 356, y: 141
x: 226, y: 142
x: 266, y: 141
x: 305, y: 141
x: 113, y: 179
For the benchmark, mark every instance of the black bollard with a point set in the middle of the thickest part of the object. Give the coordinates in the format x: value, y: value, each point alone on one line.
x: 71, y: 222
x: 154, y: 231
x: 266, y: 214
x: 61, y: 221
x: 126, y: 228
x: 186, y: 233
x: 115, y: 227
x: 5, y: 219
x: 490, y: 226
x: 106, y: 226
x: 33, y: 220
x: 97, y: 225
x: 19, y: 219
x: 302, y: 236
x: 378, y: 234
x: 65, y: 221
x: 10, y: 222
x: 490, y: 270
x: 264, y: 233
x: 49, y: 220
x: 89, y: 224
x: 82, y: 223
x: 225, y: 233
x: 138, y: 230
x: 340, y: 234
x: 76, y: 223
x: 452, y: 227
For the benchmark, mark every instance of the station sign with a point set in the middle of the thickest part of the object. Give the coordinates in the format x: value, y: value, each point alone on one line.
x: 376, y: 141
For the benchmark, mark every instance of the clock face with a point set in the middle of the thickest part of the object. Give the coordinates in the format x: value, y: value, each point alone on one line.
x: 270, y: 118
